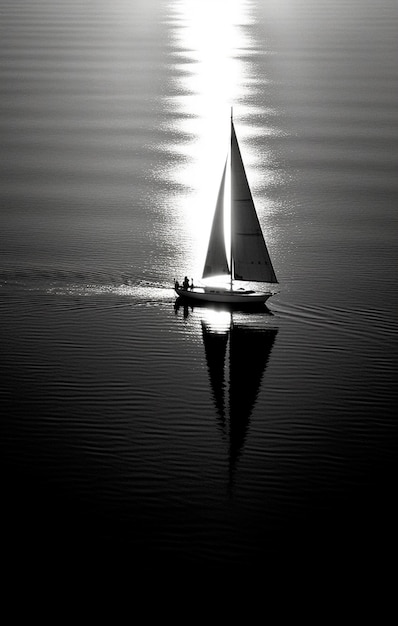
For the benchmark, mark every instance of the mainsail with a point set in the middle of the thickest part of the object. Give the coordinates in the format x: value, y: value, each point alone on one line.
x: 250, y: 259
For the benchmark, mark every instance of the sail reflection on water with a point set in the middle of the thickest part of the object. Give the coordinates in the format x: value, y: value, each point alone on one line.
x: 237, y: 356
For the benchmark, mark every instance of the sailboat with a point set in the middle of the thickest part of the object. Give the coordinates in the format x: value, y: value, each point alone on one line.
x: 249, y: 257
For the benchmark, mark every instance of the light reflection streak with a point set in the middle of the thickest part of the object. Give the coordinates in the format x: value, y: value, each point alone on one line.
x: 213, y: 55
x: 210, y: 75
x: 218, y: 321
x: 144, y: 292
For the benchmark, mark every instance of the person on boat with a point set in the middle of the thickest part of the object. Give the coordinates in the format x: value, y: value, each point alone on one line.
x: 176, y: 284
x: 185, y: 283
x: 191, y: 285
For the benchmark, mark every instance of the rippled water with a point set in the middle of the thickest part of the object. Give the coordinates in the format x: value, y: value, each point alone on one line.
x: 195, y: 435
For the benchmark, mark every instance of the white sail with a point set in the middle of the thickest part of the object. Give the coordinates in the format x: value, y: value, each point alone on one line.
x: 251, y: 260
x: 216, y: 259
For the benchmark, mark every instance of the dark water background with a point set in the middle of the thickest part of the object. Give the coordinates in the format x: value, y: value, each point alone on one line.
x: 197, y: 436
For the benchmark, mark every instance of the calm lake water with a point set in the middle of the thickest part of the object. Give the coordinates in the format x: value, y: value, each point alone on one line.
x: 197, y: 435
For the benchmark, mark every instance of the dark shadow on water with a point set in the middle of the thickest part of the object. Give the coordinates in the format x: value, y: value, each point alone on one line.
x: 237, y: 346
x: 236, y: 381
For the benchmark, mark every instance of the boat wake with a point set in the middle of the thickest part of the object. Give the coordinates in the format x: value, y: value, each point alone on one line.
x: 68, y: 283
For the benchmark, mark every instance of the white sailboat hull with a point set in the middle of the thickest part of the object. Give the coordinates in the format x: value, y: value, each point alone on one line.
x: 224, y: 296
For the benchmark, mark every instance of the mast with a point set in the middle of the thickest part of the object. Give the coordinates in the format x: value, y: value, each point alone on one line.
x: 230, y: 203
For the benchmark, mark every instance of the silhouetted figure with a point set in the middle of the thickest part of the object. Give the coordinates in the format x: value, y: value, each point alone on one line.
x: 185, y: 284
x: 191, y: 286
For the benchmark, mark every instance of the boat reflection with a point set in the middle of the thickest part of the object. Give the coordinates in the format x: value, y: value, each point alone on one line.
x: 237, y: 350
x: 182, y: 303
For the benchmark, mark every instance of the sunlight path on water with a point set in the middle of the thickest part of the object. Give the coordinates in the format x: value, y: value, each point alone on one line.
x: 211, y: 44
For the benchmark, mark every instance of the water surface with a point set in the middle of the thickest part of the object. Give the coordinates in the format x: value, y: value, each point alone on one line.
x: 189, y: 434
